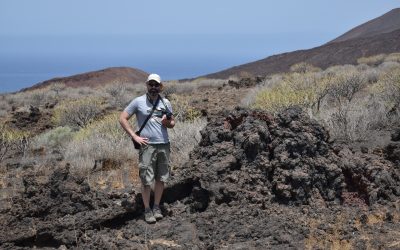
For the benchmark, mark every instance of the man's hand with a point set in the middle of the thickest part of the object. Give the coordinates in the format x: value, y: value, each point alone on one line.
x: 168, y: 123
x: 141, y: 140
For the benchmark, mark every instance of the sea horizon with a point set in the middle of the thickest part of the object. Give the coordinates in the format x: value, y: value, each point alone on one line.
x: 23, y: 74
x: 26, y: 61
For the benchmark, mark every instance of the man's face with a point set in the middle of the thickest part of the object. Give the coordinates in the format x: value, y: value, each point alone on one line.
x: 153, y: 87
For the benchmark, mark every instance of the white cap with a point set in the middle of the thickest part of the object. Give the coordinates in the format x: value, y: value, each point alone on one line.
x: 154, y: 77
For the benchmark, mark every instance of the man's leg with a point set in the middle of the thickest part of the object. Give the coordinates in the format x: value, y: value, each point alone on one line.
x: 148, y: 213
x: 158, y: 191
x: 147, y: 176
x: 146, y: 189
x: 162, y: 172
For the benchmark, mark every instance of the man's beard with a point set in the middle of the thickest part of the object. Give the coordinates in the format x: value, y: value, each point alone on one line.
x: 153, y: 92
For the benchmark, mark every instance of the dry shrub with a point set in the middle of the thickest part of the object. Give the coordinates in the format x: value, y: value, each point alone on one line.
x: 77, y: 113
x: 4, y: 106
x: 304, y: 67
x: 281, y: 97
x: 387, y: 67
x: 102, y: 139
x: 57, y: 88
x: 350, y: 122
x: 294, y: 89
x: 391, y: 86
x: 35, y: 98
x: 182, y: 109
x: 175, y: 87
x: 350, y: 100
x: 209, y: 83
x: 388, y: 91
x: 105, y: 139
x: 55, y: 139
x: 346, y: 85
x: 394, y: 57
x: 187, y: 87
x: 357, y: 108
x: 184, y: 137
x: 371, y: 74
x: 118, y: 95
x: 3, y: 113
x: 269, y: 82
x: 372, y: 60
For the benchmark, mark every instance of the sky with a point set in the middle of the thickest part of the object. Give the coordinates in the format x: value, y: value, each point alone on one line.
x: 43, y: 39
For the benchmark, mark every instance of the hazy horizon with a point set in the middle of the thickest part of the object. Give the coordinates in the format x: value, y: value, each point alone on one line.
x: 172, y: 60
x: 45, y: 39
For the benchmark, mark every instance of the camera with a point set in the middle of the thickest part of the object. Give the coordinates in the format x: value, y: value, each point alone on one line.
x: 168, y: 114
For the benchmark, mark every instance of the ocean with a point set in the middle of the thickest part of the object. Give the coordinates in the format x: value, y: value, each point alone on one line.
x: 16, y: 74
x: 25, y: 61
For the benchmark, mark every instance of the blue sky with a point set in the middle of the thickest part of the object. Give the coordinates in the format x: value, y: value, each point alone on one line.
x: 176, y: 38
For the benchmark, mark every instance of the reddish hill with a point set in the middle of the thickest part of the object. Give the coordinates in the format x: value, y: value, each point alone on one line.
x: 380, y: 35
x: 97, y: 78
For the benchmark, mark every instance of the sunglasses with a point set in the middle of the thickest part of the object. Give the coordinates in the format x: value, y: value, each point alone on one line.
x: 154, y: 84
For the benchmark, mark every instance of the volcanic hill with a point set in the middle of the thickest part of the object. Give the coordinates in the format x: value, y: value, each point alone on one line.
x: 384, y: 24
x: 97, y: 78
x: 380, y: 35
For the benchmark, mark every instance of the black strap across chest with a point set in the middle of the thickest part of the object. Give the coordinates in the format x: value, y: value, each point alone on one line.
x: 148, y: 117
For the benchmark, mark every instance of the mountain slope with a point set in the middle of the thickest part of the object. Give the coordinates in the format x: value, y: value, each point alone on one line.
x: 380, y: 35
x: 97, y: 78
x: 386, y: 23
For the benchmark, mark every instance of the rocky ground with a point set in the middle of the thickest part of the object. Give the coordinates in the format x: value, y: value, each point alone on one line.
x: 255, y: 181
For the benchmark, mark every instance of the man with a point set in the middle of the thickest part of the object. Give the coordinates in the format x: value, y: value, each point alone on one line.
x: 155, y: 149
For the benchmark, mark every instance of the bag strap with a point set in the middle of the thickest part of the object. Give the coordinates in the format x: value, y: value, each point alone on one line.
x: 166, y: 107
x: 148, y: 117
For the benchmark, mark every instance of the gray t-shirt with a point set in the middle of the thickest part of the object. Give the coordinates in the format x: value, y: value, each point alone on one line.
x: 153, y: 130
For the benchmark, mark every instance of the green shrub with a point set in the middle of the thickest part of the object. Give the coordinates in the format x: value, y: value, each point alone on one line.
x: 106, y: 127
x: 12, y: 139
x: 102, y: 139
x: 182, y: 109
x: 295, y: 89
x: 54, y: 139
x: 77, y: 113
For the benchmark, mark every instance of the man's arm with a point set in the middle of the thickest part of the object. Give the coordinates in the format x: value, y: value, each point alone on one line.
x: 123, y: 120
x: 171, y: 122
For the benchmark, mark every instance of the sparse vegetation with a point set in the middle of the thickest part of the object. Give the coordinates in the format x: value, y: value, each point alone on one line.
x: 77, y: 113
x: 12, y: 139
x: 174, y: 87
x: 304, y: 67
x: 372, y: 60
x: 102, y: 139
x: 54, y: 139
x: 184, y: 137
x: 182, y: 109
x: 350, y: 100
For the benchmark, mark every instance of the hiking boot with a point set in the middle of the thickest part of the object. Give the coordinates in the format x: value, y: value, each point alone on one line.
x: 157, y: 213
x: 149, y: 217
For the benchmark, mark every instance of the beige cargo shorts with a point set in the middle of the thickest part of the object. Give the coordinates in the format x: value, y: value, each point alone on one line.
x: 154, y: 163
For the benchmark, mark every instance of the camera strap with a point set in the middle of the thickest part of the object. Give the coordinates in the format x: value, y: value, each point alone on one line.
x: 166, y: 107
x: 151, y: 112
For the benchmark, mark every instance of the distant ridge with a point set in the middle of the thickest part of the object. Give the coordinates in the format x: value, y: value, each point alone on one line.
x: 365, y: 40
x: 384, y: 24
x: 97, y: 78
